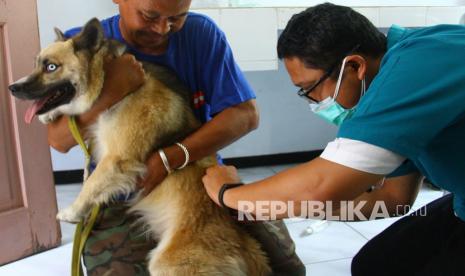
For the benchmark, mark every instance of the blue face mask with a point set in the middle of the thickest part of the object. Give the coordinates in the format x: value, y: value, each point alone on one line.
x: 330, y: 110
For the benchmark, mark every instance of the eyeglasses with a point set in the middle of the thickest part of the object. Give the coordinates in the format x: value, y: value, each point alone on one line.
x: 304, y: 93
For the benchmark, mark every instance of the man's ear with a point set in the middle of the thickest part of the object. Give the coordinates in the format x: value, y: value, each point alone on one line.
x: 90, y: 38
x: 358, y: 64
x: 59, y: 35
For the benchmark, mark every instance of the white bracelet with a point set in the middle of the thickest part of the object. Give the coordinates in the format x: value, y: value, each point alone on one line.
x: 164, y: 159
x: 186, y: 153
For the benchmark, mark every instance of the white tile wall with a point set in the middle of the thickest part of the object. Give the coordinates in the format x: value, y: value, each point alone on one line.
x: 252, y: 34
x: 270, y: 64
x: 444, y: 15
x: 302, y: 3
x: 72, y: 160
x: 252, y: 31
x: 68, y: 14
x: 371, y: 13
x: 405, y: 16
x: 285, y: 14
x: 199, y: 4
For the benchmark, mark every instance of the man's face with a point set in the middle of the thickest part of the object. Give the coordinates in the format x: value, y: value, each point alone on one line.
x: 147, y: 24
x: 305, y: 78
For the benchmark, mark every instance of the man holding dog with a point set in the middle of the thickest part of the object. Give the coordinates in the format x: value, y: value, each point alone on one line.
x: 164, y: 32
x: 399, y: 102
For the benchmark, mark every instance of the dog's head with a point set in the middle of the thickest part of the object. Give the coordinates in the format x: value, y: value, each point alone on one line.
x: 68, y: 74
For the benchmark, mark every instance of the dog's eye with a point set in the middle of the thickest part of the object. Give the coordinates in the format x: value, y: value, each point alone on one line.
x: 51, y: 67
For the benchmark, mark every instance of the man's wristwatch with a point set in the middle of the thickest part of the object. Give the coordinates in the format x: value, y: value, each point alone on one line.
x: 223, y: 189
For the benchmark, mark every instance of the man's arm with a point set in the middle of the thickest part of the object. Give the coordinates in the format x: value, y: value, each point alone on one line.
x: 397, y: 193
x: 225, y: 128
x: 318, y: 180
x: 123, y: 75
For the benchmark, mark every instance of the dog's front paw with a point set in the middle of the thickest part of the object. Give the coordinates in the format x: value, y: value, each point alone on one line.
x: 49, y: 116
x: 69, y: 214
x: 46, y: 118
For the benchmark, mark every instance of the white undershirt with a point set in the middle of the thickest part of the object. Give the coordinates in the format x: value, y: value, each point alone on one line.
x: 362, y: 156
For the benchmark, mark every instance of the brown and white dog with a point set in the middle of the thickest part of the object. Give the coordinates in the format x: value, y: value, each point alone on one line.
x: 195, y: 237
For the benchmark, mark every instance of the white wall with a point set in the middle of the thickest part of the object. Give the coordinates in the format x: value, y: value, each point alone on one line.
x: 307, y: 3
x: 66, y: 14
x: 287, y: 124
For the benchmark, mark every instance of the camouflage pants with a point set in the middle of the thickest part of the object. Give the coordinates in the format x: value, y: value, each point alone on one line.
x: 115, y: 247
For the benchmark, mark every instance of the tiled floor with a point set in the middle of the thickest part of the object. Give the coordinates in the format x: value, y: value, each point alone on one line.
x: 326, y: 252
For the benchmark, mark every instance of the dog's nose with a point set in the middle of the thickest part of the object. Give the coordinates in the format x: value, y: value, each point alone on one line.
x: 14, y: 87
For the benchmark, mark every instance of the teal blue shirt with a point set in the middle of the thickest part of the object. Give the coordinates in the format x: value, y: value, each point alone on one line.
x: 415, y: 106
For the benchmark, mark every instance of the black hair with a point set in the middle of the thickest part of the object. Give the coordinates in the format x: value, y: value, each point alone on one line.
x: 321, y: 36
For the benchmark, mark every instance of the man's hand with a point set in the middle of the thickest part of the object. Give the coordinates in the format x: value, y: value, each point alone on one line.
x: 124, y: 75
x: 216, y: 176
x: 155, y: 174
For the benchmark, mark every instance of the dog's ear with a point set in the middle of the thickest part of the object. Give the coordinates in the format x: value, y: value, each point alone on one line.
x: 116, y: 48
x: 90, y: 38
x: 60, y: 35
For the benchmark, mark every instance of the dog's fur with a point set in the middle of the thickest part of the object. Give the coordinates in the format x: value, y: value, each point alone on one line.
x: 195, y: 236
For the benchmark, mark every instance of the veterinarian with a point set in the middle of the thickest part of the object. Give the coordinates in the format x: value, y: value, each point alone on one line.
x: 399, y: 102
x: 164, y: 32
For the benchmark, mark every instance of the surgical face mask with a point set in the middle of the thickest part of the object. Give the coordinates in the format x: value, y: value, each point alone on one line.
x: 330, y: 110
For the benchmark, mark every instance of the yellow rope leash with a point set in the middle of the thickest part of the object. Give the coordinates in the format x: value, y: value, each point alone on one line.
x: 72, y: 125
x: 82, y: 233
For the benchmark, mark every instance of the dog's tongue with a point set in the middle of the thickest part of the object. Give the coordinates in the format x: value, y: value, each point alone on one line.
x: 32, y: 110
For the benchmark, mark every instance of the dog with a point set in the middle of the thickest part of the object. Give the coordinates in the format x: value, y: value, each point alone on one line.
x: 195, y: 237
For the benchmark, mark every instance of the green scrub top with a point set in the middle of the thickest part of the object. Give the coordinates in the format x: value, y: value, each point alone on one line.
x: 415, y: 106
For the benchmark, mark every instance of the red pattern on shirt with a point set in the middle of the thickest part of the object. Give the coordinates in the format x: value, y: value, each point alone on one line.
x: 199, y: 99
